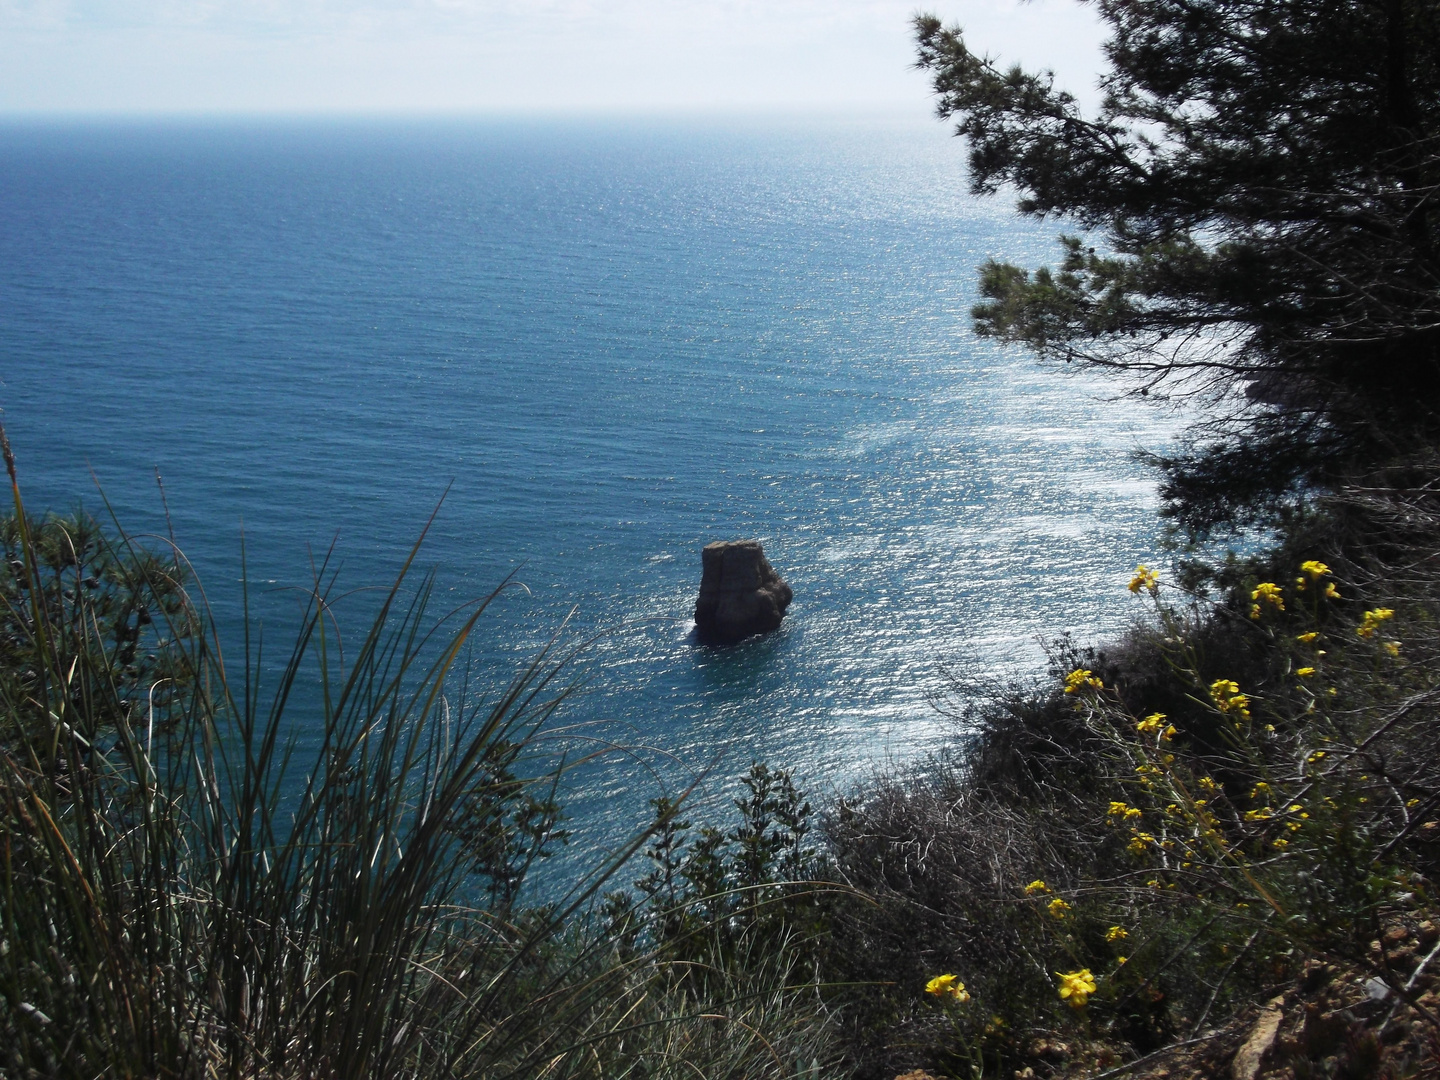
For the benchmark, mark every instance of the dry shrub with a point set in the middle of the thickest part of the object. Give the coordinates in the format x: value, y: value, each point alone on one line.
x: 1030, y: 794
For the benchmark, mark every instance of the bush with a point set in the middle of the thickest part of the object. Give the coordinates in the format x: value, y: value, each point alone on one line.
x: 1238, y: 793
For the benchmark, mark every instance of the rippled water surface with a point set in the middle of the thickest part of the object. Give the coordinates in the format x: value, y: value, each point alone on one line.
x: 614, y: 342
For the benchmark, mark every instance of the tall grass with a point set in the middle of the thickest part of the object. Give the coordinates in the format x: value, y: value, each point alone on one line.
x: 185, y: 894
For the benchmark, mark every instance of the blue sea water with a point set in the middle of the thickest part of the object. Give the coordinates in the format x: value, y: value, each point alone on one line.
x: 613, y: 341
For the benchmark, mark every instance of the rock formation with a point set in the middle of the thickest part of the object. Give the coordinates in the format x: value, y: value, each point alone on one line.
x: 740, y: 593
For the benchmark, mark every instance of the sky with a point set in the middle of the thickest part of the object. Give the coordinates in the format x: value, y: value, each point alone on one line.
x: 508, y: 56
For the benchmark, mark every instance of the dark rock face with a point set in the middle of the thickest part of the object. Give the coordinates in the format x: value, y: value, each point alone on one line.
x: 740, y: 593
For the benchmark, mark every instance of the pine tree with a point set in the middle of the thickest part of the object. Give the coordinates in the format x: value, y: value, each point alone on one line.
x: 1257, y: 194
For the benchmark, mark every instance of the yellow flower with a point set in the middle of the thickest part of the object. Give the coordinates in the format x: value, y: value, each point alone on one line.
x: 1311, y: 570
x: 943, y: 986
x: 1295, y: 808
x: 1227, y: 697
x: 1036, y: 886
x: 1260, y: 815
x: 1209, y: 784
x: 1139, y: 842
x: 1076, y: 987
x: 1120, y: 961
x: 1305, y: 639
x: 1081, y: 678
x: 1267, y: 592
x: 1150, y: 723
x: 1318, y: 755
x: 1116, y: 933
x: 1280, y: 844
x: 1169, y: 733
x: 1372, y: 619
x: 1304, y: 672
x: 1144, y: 579
x: 1392, y: 647
x: 1057, y: 908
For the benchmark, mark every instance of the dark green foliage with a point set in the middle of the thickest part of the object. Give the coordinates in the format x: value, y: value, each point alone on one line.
x: 506, y: 823
x: 1261, y: 177
x: 125, y: 617
x: 714, y: 895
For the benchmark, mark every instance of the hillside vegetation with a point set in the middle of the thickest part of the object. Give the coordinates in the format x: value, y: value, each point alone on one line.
x: 1211, y: 848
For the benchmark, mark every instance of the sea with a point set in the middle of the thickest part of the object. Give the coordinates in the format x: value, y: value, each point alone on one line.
x: 587, y: 347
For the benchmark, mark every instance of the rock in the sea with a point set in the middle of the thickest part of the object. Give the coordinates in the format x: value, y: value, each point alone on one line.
x: 740, y: 593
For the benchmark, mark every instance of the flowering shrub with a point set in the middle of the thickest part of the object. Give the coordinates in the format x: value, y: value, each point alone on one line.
x: 1273, y: 814
x: 1168, y: 831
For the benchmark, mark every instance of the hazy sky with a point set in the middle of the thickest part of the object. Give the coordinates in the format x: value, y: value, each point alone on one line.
x: 506, y: 55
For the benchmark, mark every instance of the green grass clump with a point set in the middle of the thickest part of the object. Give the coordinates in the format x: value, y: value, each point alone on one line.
x: 187, y: 894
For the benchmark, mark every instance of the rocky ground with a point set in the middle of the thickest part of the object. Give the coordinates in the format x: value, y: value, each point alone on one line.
x: 1333, y: 1021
